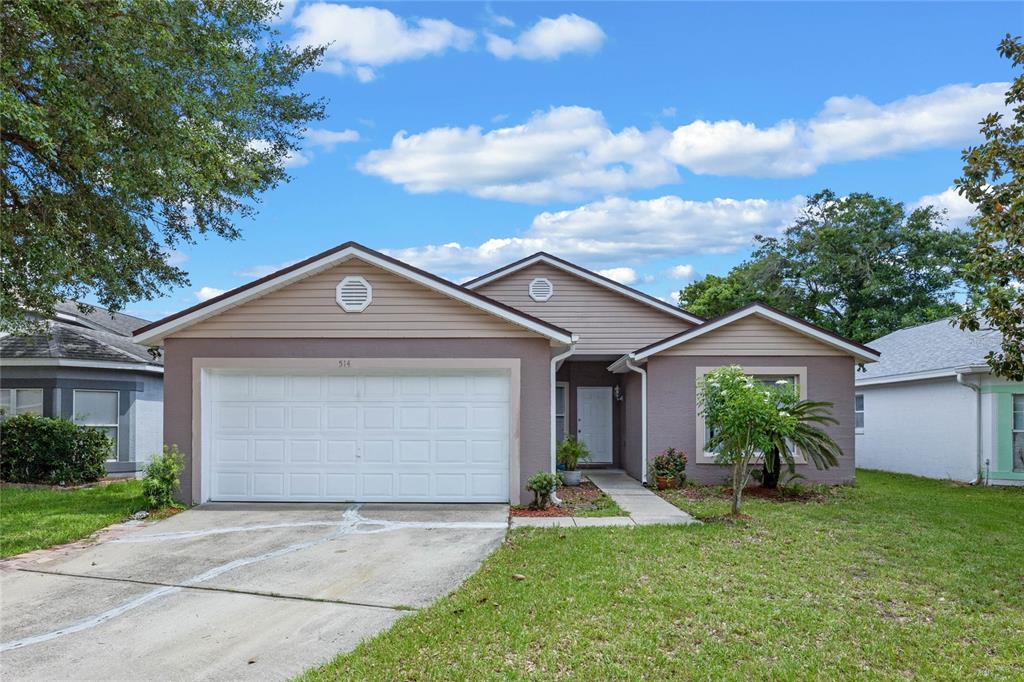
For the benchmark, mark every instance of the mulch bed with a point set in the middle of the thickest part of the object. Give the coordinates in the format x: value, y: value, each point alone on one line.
x: 49, y: 486
x: 573, y: 498
x: 705, y: 492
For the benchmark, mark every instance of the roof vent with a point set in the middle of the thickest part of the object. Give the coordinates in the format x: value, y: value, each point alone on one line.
x: 541, y: 289
x: 354, y: 294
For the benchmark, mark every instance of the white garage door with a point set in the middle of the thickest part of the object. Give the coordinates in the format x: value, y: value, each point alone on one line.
x: 395, y: 437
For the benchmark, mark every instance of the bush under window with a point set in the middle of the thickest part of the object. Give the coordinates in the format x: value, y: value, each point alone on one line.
x: 36, y: 449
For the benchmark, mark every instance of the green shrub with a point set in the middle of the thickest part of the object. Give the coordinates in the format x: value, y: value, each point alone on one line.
x: 163, y: 477
x: 542, y: 485
x: 571, y: 452
x: 36, y: 449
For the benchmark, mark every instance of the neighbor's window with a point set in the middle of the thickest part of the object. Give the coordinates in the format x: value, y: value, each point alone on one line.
x: 98, y: 409
x: 560, y: 392
x: 21, y: 401
x: 858, y: 411
x: 1018, y: 432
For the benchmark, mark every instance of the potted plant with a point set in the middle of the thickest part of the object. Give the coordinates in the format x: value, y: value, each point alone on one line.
x: 570, y: 453
x: 678, y: 459
x: 664, y: 471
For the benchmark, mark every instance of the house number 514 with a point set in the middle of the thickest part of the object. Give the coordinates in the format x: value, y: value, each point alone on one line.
x: 344, y: 363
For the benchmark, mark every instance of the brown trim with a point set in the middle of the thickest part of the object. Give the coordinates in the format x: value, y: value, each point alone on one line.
x: 329, y: 252
x: 758, y: 304
x: 668, y: 307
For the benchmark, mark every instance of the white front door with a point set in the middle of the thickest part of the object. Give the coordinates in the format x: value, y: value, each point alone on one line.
x: 438, y: 436
x: 594, y: 421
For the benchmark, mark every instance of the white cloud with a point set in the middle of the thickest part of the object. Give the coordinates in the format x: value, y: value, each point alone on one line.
x: 569, y: 153
x: 682, y: 271
x: 285, y: 12
x: 668, y: 112
x: 549, y: 39
x: 620, y: 275
x: 174, y: 258
x: 295, y: 158
x: 206, y: 293
x: 565, y: 153
x: 958, y: 209
x: 329, y: 139
x: 846, y: 129
x: 361, y: 39
x: 608, y: 232
x: 257, y: 271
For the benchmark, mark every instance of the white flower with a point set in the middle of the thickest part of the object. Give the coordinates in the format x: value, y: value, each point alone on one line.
x: 781, y: 382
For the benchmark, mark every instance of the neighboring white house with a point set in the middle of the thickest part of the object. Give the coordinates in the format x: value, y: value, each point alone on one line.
x: 930, y: 407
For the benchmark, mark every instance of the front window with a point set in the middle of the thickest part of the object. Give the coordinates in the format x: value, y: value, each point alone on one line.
x: 858, y: 412
x: 560, y: 393
x: 1018, y: 433
x: 98, y: 409
x: 768, y: 380
x: 21, y: 401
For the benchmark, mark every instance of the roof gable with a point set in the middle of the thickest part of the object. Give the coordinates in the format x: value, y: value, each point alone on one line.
x: 758, y: 337
x: 607, y: 323
x: 588, y: 275
x: 154, y: 333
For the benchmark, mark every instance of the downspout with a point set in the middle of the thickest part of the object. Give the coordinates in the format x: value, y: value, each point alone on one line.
x: 977, y: 425
x: 643, y: 415
x: 555, y: 362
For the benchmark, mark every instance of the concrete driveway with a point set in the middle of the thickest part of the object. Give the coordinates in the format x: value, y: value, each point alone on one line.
x: 233, y: 591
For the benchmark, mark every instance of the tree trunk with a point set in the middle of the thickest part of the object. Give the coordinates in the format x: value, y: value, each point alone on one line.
x: 737, y: 488
x: 770, y: 479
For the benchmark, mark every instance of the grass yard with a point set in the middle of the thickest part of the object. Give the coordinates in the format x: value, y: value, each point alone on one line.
x: 899, y: 577
x: 33, y: 519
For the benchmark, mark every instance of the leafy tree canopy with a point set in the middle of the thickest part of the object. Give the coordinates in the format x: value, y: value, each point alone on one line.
x: 129, y: 127
x: 859, y: 265
x: 993, y: 180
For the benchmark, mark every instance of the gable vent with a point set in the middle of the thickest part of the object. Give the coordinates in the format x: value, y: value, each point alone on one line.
x: 541, y: 289
x: 354, y: 294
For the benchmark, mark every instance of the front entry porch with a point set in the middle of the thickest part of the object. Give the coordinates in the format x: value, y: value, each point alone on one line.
x: 589, y: 406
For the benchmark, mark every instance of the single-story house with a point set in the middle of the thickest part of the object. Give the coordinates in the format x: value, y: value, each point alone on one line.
x: 931, y: 407
x: 352, y: 376
x: 85, y: 367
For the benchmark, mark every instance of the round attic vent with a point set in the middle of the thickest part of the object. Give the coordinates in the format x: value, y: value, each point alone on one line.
x: 541, y: 289
x: 354, y: 294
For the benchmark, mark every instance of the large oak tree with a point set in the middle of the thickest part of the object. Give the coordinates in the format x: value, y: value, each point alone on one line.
x: 993, y: 180
x: 129, y: 127
x: 859, y: 265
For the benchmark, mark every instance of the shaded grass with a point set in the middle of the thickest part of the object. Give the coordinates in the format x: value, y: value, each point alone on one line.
x: 34, y: 519
x: 898, y: 577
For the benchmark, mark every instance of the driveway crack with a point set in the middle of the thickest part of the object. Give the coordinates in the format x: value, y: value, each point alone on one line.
x: 228, y: 590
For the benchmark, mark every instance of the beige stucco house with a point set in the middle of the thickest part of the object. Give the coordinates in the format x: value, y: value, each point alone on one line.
x: 352, y: 376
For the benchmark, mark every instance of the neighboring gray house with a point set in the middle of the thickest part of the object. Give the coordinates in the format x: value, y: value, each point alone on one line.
x: 930, y: 407
x: 87, y: 369
x: 352, y: 376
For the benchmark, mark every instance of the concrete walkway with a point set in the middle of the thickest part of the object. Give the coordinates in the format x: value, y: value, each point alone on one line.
x: 643, y: 506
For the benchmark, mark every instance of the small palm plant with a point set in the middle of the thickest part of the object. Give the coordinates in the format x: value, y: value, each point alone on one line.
x: 571, y: 452
x: 807, y: 437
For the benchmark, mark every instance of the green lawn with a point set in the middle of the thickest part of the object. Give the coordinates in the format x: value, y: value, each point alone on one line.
x: 899, y: 577
x: 33, y: 519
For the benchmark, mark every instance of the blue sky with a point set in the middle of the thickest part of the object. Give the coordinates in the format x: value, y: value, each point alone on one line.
x: 649, y: 141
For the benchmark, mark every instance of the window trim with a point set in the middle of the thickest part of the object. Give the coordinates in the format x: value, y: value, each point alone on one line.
x: 863, y: 401
x: 800, y: 372
x: 14, y: 399
x: 564, y: 385
x: 1013, y: 428
x: 116, y: 427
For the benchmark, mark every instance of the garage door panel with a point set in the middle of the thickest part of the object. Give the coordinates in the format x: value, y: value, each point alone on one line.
x: 415, y: 437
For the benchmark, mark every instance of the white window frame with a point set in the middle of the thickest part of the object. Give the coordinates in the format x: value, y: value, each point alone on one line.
x: 858, y: 429
x: 564, y: 385
x: 13, y: 401
x: 705, y: 457
x: 117, y: 412
x: 1013, y: 428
